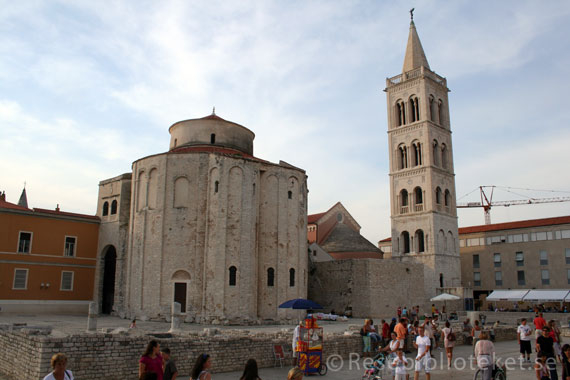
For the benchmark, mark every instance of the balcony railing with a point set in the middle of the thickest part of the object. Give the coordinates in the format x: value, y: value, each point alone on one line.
x: 419, y: 208
x: 404, y: 209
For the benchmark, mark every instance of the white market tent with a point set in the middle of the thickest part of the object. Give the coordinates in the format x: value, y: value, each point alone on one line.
x: 507, y: 295
x: 546, y: 295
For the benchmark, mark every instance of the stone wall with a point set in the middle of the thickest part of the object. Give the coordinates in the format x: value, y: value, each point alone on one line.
x: 369, y: 287
x: 27, y: 353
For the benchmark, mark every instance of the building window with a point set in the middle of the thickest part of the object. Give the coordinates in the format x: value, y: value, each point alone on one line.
x: 438, y: 195
x: 291, y: 277
x: 567, y: 255
x: 497, y: 260
x: 290, y: 194
x: 20, y: 279
x: 270, y: 277
x: 66, y: 281
x: 447, y: 198
x: 475, y: 261
x: 543, y: 258
x: 568, y: 275
x: 476, y: 278
x: 520, y: 277
x: 443, y: 156
x: 213, y: 138
x: 105, y: 209
x: 406, y: 242
x: 545, y: 276
x: 216, y: 186
x: 70, y: 246
x: 499, y: 278
x: 519, y: 258
x: 114, y: 207
x: 25, y: 242
x: 402, y: 157
x: 233, y: 272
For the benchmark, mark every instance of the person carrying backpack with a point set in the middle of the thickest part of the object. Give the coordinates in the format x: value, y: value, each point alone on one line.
x: 449, y: 342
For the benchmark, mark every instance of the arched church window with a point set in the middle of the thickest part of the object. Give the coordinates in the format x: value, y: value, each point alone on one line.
x: 114, y: 207
x: 216, y: 186
x: 414, y: 108
x: 447, y: 199
x: 438, y: 195
x: 443, y: 156
x: 418, y: 195
x: 233, y: 275
x: 440, y: 112
x: 290, y: 194
x: 270, y: 277
x: 419, y: 237
x: 292, y: 277
x: 400, y: 112
x: 175, y: 142
x: 213, y: 138
x: 436, y: 153
x: 441, y: 280
x: 417, y: 153
x: 402, y: 157
x: 431, y: 108
x: 105, y: 209
x: 405, y: 242
x: 404, y: 198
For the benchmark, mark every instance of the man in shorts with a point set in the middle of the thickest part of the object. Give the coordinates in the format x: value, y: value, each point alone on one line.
x: 423, y: 344
x: 523, y: 336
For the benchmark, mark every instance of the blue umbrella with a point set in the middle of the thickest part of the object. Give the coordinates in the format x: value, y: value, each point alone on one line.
x: 300, y: 303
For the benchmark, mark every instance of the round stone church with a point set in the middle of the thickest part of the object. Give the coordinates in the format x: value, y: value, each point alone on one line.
x: 205, y: 224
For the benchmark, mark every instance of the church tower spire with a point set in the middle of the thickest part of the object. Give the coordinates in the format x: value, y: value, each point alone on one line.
x: 422, y: 179
x: 415, y: 56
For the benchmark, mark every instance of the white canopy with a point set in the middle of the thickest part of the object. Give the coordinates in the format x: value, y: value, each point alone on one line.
x: 445, y: 297
x: 546, y: 295
x: 507, y: 295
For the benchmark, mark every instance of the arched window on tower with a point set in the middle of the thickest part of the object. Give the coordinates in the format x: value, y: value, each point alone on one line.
x: 292, y: 277
x: 443, y: 156
x: 447, y: 198
x: 440, y: 112
x: 419, y: 238
x: 418, y: 199
x: 400, y: 112
x: 405, y: 242
x: 105, y: 209
x: 414, y: 108
x: 114, y: 207
x: 435, y: 153
x: 417, y: 153
x: 233, y: 275
x: 404, y: 209
x: 431, y: 108
x: 438, y: 195
x: 270, y: 277
x: 402, y: 157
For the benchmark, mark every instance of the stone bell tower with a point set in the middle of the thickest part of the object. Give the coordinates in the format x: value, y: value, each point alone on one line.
x: 422, y: 181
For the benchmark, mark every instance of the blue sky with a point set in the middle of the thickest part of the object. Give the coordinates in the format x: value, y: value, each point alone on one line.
x: 88, y: 87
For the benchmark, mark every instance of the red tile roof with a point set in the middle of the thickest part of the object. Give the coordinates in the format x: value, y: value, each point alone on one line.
x: 515, y: 225
x: 62, y: 213
x: 212, y: 117
x: 313, y: 218
x: 12, y: 206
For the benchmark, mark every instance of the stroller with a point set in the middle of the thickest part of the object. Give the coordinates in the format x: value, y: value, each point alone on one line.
x: 375, y: 371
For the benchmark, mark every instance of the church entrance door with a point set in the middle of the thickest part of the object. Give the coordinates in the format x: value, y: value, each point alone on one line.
x: 109, y: 280
x: 180, y: 295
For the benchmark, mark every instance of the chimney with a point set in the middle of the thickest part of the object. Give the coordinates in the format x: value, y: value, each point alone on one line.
x: 57, y: 208
x: 3, y: 196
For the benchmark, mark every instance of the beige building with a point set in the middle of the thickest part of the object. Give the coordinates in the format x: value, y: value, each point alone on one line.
x: 527, y: 254
x: 422, y: 180
x: 205, y: 224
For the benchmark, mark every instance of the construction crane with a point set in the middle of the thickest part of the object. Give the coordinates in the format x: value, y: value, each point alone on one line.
x: 487, y: 201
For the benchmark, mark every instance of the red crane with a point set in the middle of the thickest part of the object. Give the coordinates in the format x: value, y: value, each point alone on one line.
x: 487, y: 201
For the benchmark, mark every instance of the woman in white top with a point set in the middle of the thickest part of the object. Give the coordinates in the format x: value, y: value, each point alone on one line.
x: 59, y: 364
x: 201, y: 368
x: 485, y: 355
x: 448, y: 343
x: 392, y: 348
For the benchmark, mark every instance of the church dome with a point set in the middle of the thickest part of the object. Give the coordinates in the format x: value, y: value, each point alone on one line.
x: 211, y: 130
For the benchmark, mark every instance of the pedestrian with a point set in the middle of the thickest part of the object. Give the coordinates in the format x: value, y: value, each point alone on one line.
x: 566, y: 362
x: 540, y: 368
x: 413, y: 314
x: 133, y: 324
x: 399, y: 364
x: 523, y: 336
x: 485, y: 355
x: 59, y: 368
x: 392, y: 325
x: 405, y: 312
x: 475, y: 332
x: 250, y: 371
x: 401, y: 331
x: 385, y: 333
x: 493, y: 330
x: 151, y: 360
x: 422, y: 343
x: 433, y: 310
x: 391, y: 349
x: 371, y: 331
x: 539, y: 322
x: 428, y: 331
x: 556, y: 337
x: 295, y: 374
x: 201, y: 368
x: 449, y: 339
x: 170, y: 370
x: 399, y: 312
x: 545, y: 345
x: 295, y: 344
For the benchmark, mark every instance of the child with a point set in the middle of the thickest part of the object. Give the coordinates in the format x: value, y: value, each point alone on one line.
x: 170, y: 371
x: 400, y: 363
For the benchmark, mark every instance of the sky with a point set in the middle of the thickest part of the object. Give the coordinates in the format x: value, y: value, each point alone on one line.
x: 88, y: 87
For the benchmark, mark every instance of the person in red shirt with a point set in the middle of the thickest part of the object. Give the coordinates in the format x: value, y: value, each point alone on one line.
x: 539, y: 323
x: 399, y: 312
x: 385, y: 332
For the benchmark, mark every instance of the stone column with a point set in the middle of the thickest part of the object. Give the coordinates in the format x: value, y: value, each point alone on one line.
x: 92, y: 317
x: 176, y: 317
